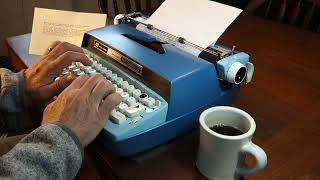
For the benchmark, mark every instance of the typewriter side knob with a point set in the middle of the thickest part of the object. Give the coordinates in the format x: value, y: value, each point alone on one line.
x: 236, y: 73
x: 117, y: 18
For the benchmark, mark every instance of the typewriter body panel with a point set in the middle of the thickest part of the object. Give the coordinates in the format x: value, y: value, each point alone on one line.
x: 184, y: 85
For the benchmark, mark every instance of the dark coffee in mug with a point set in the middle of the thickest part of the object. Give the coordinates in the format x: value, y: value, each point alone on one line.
x: 226, y: 130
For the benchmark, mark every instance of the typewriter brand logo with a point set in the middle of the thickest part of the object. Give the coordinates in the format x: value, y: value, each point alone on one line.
x: 100, y: 47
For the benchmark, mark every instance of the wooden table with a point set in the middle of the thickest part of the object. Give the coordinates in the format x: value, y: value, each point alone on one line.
x: 283, y: 98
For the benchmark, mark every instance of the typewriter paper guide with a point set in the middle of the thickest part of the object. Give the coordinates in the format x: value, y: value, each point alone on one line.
x: 201, y: 22
x: 55, y: 25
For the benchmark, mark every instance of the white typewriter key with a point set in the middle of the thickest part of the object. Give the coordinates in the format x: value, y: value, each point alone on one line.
x: 137, y: 111
x: 122, y: 107
x: 86, y: 69
x: 113, y: 77
x: 136, y: 93
x: 75, y: 70
x: 150, y: 102
x: 119, y: 90
x: 116, y: 109
x: 135, y: 120
x: 130, y: 89
x: 124, y: 85
x: 124, y: 96
x: 114, y: 85
x: 103, y: 70
x: 117, y: 117
x: 94, y: 64
x: 131, y: 101
x: 65, y: 72
x: 79, y: 64
x: 143, y: 97
x: 108, y: 74
x: 158, y: 103
x: 71, y: 67
x: 92, y: 72
x: 79, y: 73
x: 119, y: 80
x: 99, y: 67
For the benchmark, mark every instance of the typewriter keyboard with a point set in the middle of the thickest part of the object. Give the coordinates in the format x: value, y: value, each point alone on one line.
x: 140, y: 109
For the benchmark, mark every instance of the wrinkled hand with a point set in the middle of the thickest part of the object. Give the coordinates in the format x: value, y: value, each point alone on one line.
x: 84, y: 106
x: 39, y: 78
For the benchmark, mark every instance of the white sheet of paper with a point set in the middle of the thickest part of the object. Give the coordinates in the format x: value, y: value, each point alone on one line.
x: 55, y: 25
x: 201, y: 22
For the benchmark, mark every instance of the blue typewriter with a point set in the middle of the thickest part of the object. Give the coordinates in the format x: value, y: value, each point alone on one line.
x: 164, y: 88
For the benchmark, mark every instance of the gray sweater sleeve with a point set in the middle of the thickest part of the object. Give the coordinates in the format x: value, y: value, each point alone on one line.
x: 49, y: 152
x: 13, y: 97
x: 14, y: 101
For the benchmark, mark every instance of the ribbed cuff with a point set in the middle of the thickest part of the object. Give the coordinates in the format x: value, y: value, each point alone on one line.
x: 25, y: 96
x: 72, y: 135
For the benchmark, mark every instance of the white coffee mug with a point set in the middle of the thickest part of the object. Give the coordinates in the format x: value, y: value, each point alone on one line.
x: 221, y: 157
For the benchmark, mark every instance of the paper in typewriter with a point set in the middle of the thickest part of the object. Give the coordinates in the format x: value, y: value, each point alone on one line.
x: 201, y: 22
x: 55, y: 25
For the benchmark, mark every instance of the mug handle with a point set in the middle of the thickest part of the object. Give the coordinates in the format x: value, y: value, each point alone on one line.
x: 258, y: 153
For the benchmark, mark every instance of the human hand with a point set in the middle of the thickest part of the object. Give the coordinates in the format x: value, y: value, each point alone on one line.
x: 40, y: 77
x: 84, y: 106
